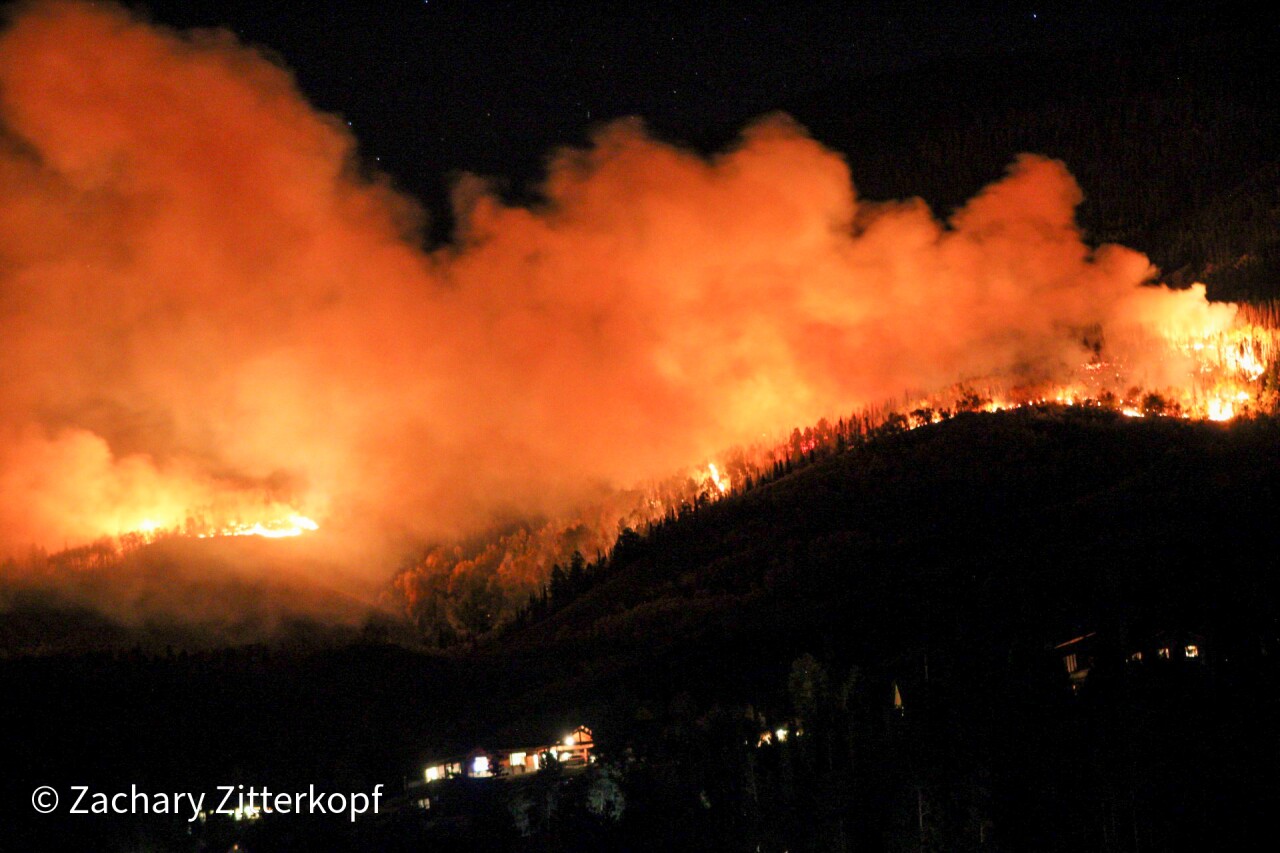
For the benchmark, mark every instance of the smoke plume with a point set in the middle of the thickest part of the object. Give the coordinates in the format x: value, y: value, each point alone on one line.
x: 207, y: 306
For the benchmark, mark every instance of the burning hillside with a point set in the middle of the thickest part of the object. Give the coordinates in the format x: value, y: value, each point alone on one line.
x: 1215, y: 373
x: 216, y: 322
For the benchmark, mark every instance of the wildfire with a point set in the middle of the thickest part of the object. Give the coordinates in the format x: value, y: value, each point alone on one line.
x: 272, y: 523
x: 293, y: 525
x: 1219, y: 369
x: 717, y: 479
x: 1217, y: 373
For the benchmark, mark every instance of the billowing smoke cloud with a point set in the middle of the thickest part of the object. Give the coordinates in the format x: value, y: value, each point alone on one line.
x: 205, y: 305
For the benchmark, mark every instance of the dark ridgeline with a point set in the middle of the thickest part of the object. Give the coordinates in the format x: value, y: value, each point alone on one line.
x: 958, y: 628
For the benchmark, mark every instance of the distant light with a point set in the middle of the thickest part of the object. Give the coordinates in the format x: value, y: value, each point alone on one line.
x: 480, y: 766
x: 568, y: 740
x: 781, y: 735
x: 1192, y: 651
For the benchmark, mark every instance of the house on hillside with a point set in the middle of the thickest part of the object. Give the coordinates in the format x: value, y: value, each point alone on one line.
x: 1077, y: 657
x: 1170, y: 647
x: 573, y: 751
x: 1168, y: 651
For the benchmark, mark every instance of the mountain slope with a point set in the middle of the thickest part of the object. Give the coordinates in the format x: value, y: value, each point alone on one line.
x: 1076, y: 515
x: 944, y: 565
x: 938, y: 567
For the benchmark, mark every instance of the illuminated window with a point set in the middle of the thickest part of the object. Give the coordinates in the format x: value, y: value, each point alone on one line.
x: 434, y: 773
x: 246, y: 813
x: 536, y: 761
x: 1164, y: 652
x: 516, y: 760
x: 1136, y: 657
x: 1192, y: 651
x: 480, y: 766
x: 781, y: 735
x: 1072, y: 664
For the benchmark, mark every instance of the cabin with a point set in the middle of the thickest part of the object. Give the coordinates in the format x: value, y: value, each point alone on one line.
x: 1167, y: 651
x: 1170, y: 647
x: 573, y: 751
x: 1077, y: 658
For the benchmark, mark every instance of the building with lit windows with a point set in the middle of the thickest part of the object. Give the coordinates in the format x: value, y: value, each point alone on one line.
x: 1077, y: 657
x: 1168, y: 651
x: 572, y: 751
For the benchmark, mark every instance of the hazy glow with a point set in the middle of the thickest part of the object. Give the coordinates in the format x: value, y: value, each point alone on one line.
x: 213, y: 324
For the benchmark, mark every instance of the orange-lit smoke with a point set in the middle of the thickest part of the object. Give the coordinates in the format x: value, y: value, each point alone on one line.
x: 205, y: 304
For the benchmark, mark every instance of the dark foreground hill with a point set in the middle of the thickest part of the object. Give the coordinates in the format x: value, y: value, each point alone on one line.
x: 895, y: 608
x: 1040, y: 522
x: 943, y: 566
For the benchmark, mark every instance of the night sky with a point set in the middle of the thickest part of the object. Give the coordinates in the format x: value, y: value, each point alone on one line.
x: 437, y: 87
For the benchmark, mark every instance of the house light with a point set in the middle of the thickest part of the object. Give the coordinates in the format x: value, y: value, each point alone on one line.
x: 480, y: 766
x: 781, y: 735
x: 516, y: 759
x: 1192, y: 651
x: 434, y: 773
x: 568, y: 740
